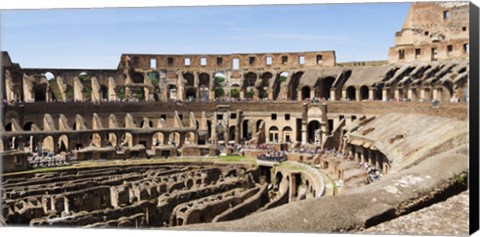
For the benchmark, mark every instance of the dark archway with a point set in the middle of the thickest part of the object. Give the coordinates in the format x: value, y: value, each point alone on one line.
x: 190, y: 81
x: 137, y: 78
x: 246, y: 131
x: 204, y: 79
x: 250, y: 79
x: 324, y: 87
x: 311, y: 129
x: 294, y: 82
x: 190, y: 93
x: 305, y: 92
x: 351, y: 93
x: 364, y: 93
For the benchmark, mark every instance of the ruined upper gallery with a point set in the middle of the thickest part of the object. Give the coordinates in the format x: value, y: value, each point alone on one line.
x: 431, y: 32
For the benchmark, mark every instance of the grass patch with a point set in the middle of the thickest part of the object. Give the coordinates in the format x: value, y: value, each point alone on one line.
x: 290, y: 167
x: 237, y: 159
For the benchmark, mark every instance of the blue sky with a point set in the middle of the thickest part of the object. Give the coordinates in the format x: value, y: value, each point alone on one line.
x: 95, y: 38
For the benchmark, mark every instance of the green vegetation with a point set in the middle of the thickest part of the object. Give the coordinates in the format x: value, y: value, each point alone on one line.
x: 291, y: 167
x: 234, y: 158
x: 121, y: 93
x: 250, y: 93
x: 283, y: 79
x: 84, y: 77
x: 219, y: 92
x: 234, y: 93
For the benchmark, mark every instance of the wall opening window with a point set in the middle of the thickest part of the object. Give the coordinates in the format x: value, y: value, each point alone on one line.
x: 319, y: 58
x: 187, y: 61
x: 449, y: 48
x: 235, y: 63
x: 251, y: 60
x: 418, y: 52
x: 401, y: 54
x: 284, y: 59
x: 219, y: 61
x: 464, y: 28
x: 287, y: 116
x: 274, y: 116
x: 153, y: 63
x: 301, y: 60
x: 203, y: 61
x: 268, y: 60
x: 465, y: 48
x: 170, y: 61
x: 233, y: 115
x: 427, y: 33
x: 446, y: 15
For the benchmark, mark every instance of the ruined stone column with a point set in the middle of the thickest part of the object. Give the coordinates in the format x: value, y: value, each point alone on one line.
x: 397, y: 94
x: 344, y: 94
x: 304, y: 123
x: 214, y: 129
x: 77, y: 89
x: 332, y: 95
x: 299, y: 95
x: 371, y: 94
x: 357, y: 95
x: 112, y: 96
x: 385, y: 94
x: 196, y: 84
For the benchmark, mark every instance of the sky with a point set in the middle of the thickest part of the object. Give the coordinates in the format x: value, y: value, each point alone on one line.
x: 96, y: 38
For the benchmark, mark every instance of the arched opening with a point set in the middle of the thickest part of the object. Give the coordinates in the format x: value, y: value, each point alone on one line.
x: 287, y: 134
x: 204, y: 92
x: 104, y: 92
x: 28, y: 126
x: 204, y: 79
x: 137, y: 78
x: 246, y: 131
x: 209, y: 126
x: 190, y: 138
x: 112, y: 139
x: 313, y: 129
x: 127, y: 140
x: 158, y: 139
x: 364, y: 93
x: 96, y: 140
x: 49, y: 76
x: 8, y: 127
x: 351, y: 93
x: 231, y: 133
x: 40, y: 92
x: 190, y: 93
x: 379, y: 92
x: 63, y: 143
x: 250, y: 79
x: 294, y: 82
x: 265, y: 85
x: 324, y: 87
x: 305, y: 92
x: 150, y: 124
x: 48, y: 144
x: 190, y: 81
x: 174, y: 139
x: 278, y: 180
x: 273, y: 134
x: 235, y: 91
x: 172, y: 92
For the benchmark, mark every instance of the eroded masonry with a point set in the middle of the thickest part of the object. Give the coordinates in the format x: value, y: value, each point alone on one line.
x: 172, y: 140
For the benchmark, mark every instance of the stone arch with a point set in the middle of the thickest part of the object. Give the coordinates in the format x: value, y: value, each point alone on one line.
x: 204, y: 79
x: 231, y: 133
x: 273, y: 134
x: 294, y: 82
x: 172, y: 92
x: 364, y: 92
x: 323, y: 87
x: 40, y: 92
x: 189, y: 78
x: 191, y: 93
x: 126, y: 140
x: 112, y: 139
x: 137, y: 78
x: 250, y: 79
x: 287, y: 134
x: 158, y: 139
x: 246, y: 130
x: 96, y: 139
x: 48, y: 143
x: 190, y: 138
x: 63, y: 143
x: 311, y: 129
x: 174, y: 138
x: 351, y: 93
x: 305, y: 92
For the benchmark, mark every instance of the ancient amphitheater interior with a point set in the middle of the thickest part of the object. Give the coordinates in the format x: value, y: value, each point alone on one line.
x: 245, y: 142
